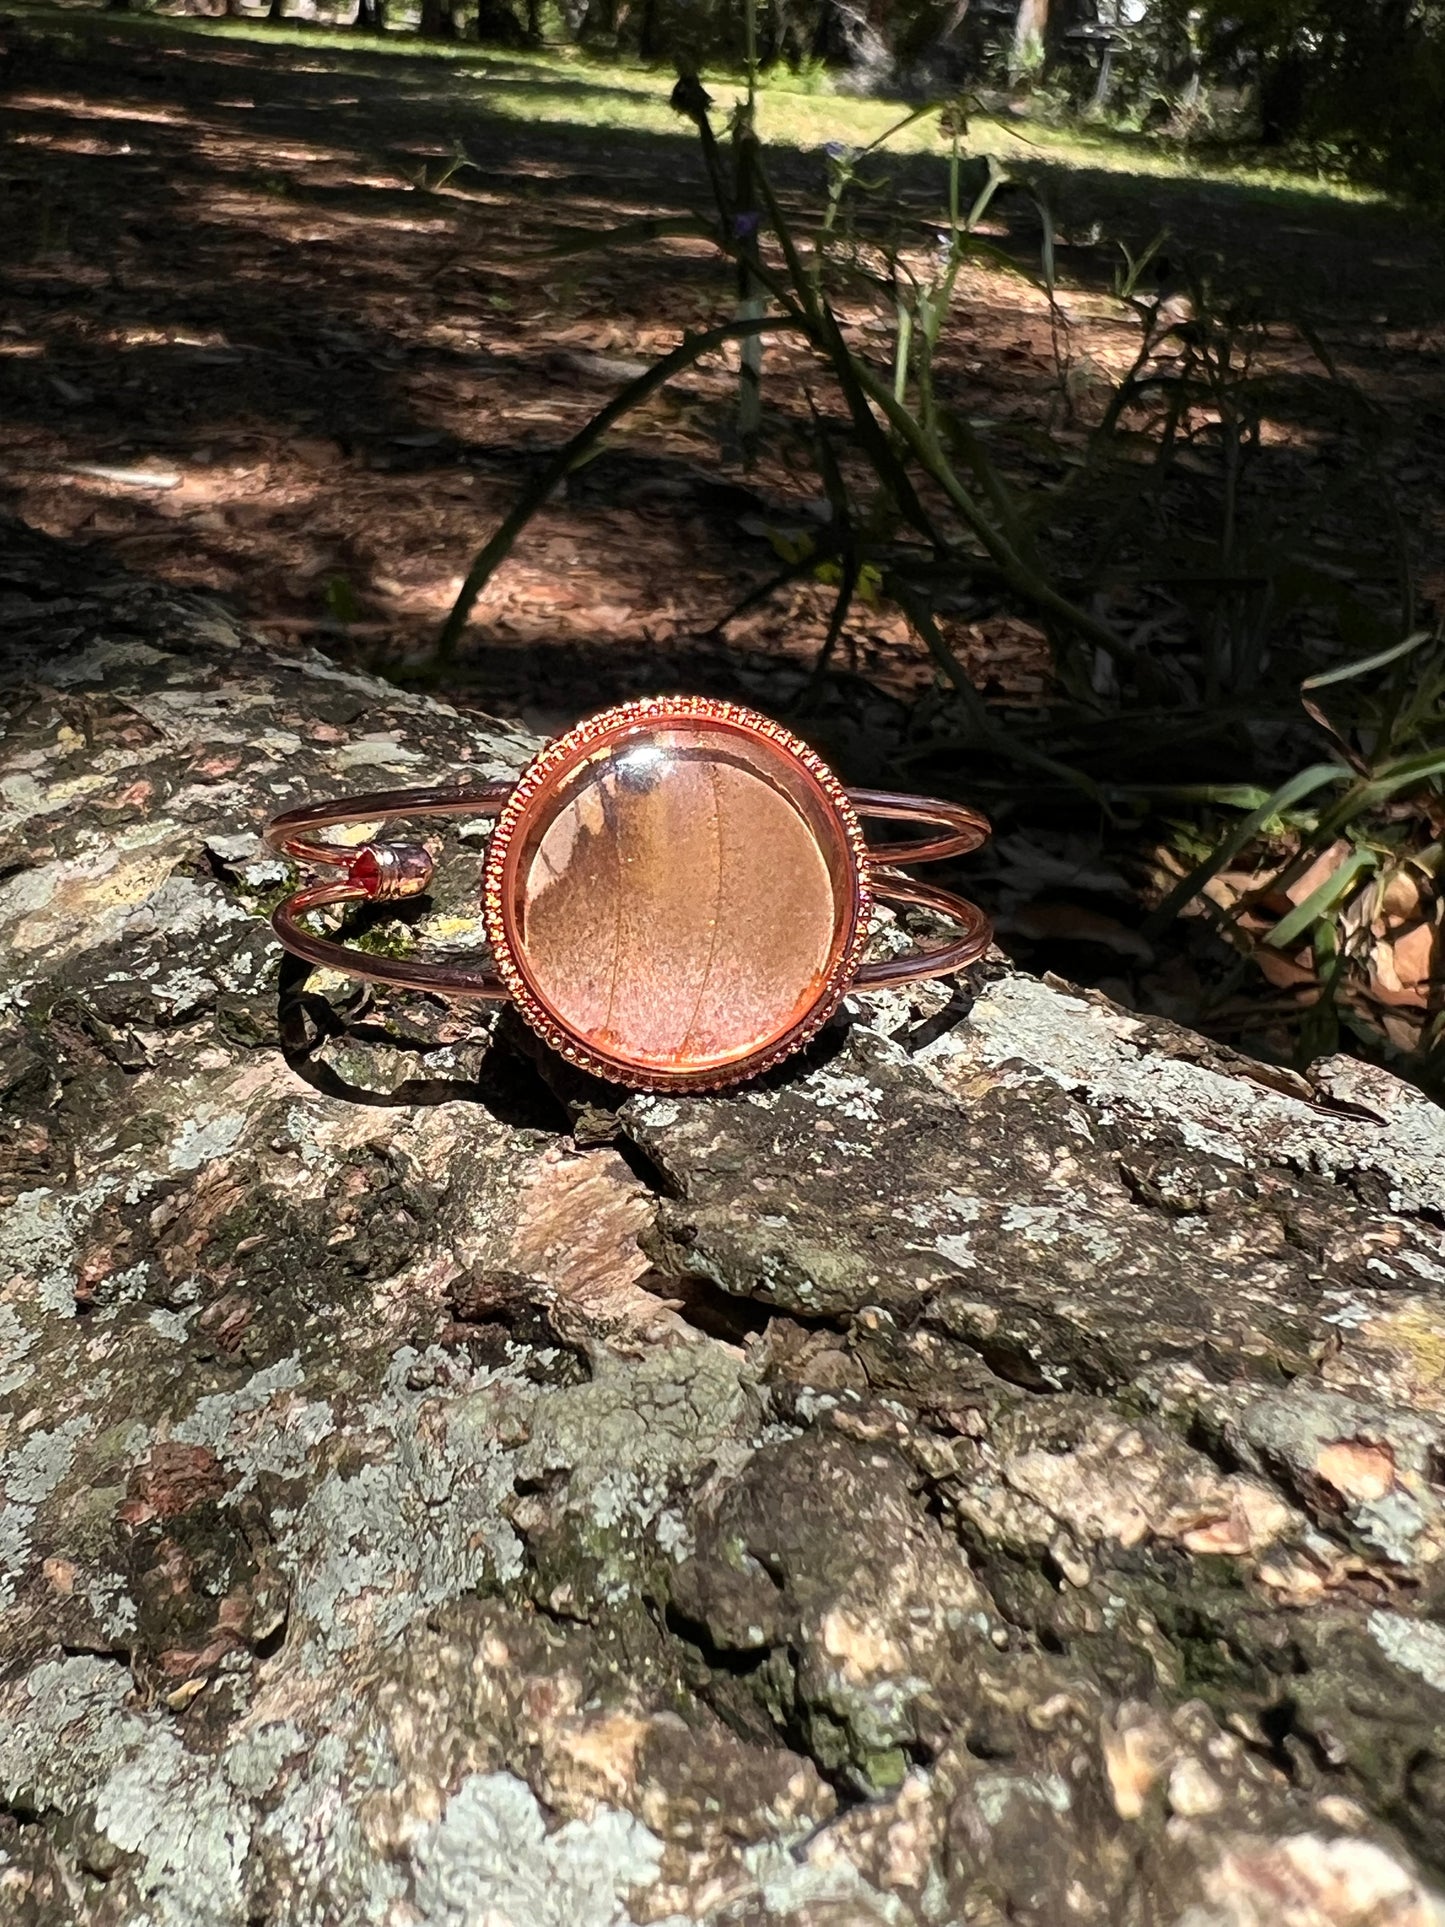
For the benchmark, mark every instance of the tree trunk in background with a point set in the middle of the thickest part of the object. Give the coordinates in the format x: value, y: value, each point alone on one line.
x: 847, y: 35
x: 991, y: 1471
x: 598, y: 27
x: 1109, y: 17
x: 437, y: 21
x: 498, y: 26
x: 1030, y: 28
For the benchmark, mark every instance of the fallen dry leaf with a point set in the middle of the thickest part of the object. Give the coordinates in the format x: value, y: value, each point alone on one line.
x: 1402, y: 965
x: 1358, y: 1469
x: 1320, y: 871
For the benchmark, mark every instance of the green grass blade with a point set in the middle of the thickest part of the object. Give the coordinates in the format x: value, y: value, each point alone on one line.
x: 1347, y: 671
x: 1289, y: 930
x: 494, y: 552
x: 918, y: 113
x: 1380, y: 788
x: 1238, y: 796
x: 1304, y: 783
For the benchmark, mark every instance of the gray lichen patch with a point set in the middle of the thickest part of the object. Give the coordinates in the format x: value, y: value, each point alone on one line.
x: 1219, y: 1105
x: 612, y: 1456
x: 489, y: 1856
x: 189, y: 1833
x: 408, y: 1517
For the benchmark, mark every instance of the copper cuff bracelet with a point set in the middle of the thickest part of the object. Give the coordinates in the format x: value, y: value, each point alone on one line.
x: 676, y: 893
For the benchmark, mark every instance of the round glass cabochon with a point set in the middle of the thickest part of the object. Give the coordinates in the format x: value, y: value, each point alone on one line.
x: 679, y: 895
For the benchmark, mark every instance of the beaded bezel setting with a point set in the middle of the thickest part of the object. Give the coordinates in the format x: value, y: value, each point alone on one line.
x: 538, y: 783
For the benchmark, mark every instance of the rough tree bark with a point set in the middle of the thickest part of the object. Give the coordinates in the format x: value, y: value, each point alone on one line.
x: 990, y: 1473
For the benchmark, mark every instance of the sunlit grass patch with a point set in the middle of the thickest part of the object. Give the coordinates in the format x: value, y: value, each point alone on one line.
x: 565, y: 86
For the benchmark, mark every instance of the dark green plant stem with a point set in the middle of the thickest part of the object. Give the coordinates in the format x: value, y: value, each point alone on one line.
x: 845, y: 538
x: 842, y: 603
x: 1013, y: 567
x: 862, y: 389
x: 1304, y: 784
x: 496, y: 551
x: 822, y: 324
x: 751, y: 293
x: 921, y: 617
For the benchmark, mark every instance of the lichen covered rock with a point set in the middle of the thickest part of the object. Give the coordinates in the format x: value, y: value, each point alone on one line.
x: 991, y: 1470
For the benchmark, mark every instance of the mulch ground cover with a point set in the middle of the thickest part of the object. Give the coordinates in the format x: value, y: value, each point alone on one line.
x: 258, y: 335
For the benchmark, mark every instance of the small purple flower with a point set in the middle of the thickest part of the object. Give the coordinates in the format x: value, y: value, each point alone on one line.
x: 838, y: 151
x: 745, y: 226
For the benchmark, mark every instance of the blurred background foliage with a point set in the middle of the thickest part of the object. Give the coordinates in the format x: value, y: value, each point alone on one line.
x: 1353, y: 84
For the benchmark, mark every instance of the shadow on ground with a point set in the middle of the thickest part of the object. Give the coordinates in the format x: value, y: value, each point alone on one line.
x: 247, y: 347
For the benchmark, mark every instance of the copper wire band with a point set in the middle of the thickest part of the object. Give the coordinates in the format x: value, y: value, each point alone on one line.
x: 452, y: 980
x: 287, y: 834
x: 290, y: 835
x: 976, y: 933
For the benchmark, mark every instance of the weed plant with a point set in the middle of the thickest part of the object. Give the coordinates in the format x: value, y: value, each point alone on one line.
x: 1195, y: 632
